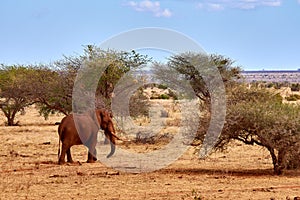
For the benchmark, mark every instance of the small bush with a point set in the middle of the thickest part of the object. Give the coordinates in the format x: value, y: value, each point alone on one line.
x: 293, y: 97
x: 277, y: 86
x: 270, y: 85
x: 163, y: 87
x: 295, y: 87
x: 142, y: 138
x: 172, y: 94
x: 194, y: 195
x: 164, y: 96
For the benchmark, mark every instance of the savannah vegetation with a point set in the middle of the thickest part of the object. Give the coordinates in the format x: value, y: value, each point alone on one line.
x: 256, y: 115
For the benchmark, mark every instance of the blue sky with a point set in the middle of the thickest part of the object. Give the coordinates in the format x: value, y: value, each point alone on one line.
x: 257, y: 34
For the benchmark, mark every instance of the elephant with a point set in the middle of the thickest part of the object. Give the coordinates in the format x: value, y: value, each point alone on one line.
x: 85, y: 132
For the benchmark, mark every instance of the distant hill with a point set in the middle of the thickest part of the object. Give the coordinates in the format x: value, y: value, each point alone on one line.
x: 271, y: 71
x: 279, y: 76
x: 292, y: 76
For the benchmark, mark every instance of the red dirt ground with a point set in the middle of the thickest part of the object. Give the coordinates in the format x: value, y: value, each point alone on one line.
x: 29, y: 170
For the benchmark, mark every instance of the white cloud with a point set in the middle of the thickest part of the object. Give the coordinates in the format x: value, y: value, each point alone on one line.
x: 211, y: 6
x: 150, y: 6
x: 216, y: 5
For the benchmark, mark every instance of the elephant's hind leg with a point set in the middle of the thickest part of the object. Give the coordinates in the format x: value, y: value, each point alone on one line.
x: 62, y: 156
x: 64, y: 150
x: 69, y: 156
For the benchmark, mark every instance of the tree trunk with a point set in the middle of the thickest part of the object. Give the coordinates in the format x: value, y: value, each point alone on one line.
x: 276, y: 167
x: 10, y: 121
x: 10, y: 117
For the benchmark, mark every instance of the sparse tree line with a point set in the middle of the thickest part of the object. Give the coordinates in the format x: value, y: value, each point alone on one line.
x: 255, y: 115
x: 50, y: 86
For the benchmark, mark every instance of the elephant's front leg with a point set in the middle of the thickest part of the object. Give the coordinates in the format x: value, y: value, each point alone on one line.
x: 92, y: 154
x: 92, y: 157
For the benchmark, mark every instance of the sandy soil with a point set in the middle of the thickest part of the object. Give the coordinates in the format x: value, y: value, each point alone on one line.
x: 29, y: 170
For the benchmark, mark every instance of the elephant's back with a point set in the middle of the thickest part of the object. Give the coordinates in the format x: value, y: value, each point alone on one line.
x: 67, y: 125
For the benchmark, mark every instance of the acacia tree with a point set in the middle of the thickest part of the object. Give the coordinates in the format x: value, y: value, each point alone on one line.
x: 116, y: 64
x: 14, y: 91
x: 22, y: 86
x: 51, y: 90
x: 258, y: 116
x: 186, y: 66
x: 254, y: 115
x: 56, y: 92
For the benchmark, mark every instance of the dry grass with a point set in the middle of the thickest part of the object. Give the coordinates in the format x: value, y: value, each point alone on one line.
x: 29, y: 170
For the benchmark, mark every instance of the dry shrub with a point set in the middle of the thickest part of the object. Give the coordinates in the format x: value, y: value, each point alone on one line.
x: 173, y: 122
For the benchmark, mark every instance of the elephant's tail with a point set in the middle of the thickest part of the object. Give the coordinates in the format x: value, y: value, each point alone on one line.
x: 58, y: 152
x: 59, y: 140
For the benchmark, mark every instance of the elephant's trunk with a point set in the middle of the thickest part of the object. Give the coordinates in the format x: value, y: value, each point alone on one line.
x: 112, y: 149
x: 112, y: 140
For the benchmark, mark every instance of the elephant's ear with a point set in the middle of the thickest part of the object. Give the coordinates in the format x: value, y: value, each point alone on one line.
x: 95, y: 115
